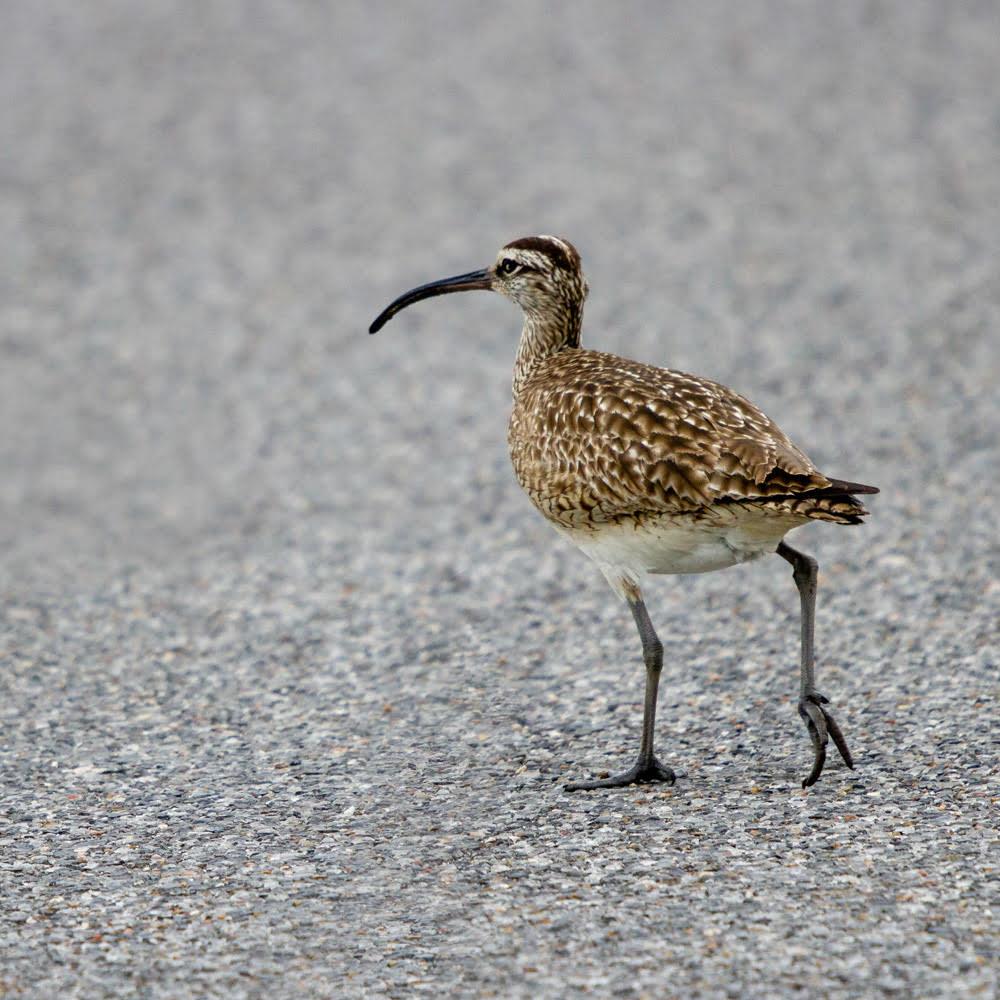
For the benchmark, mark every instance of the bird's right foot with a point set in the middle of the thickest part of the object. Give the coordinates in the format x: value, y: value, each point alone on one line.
x: 643, y: 773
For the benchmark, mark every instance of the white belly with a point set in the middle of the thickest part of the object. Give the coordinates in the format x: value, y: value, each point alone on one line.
x: 626, y: 552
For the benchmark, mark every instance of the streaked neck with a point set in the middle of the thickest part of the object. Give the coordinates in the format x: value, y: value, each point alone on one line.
x: 543, y: 336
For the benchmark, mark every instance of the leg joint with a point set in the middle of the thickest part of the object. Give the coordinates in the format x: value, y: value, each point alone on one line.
x: 652, y: 653
x: 805, y: 570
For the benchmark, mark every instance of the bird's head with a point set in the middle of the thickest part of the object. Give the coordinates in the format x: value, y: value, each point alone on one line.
x: 542, y: 274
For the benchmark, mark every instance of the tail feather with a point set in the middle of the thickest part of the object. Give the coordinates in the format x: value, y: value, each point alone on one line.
x: 836, y: 502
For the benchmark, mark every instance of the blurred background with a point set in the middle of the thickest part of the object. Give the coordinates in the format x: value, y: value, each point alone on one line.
x: 204, y: 205
x: 269, y: 592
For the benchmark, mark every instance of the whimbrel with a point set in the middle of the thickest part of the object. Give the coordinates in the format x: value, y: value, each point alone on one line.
x: 649, y: 470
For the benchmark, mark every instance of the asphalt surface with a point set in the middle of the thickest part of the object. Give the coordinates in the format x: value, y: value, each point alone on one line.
x: 291, y: 675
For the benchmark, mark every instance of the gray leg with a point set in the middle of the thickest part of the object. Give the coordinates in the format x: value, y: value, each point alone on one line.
x: 647, y: 768
x: 819, y: 721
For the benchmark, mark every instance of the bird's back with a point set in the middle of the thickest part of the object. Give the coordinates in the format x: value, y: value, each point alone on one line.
x: 596, y: 438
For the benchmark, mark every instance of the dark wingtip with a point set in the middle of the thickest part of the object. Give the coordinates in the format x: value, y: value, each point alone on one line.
x: 841, y: 486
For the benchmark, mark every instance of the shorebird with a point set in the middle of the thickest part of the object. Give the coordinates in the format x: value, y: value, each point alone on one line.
x: 649, y: 470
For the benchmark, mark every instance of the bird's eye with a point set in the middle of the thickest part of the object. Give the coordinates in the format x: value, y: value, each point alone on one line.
x: 508, y: 265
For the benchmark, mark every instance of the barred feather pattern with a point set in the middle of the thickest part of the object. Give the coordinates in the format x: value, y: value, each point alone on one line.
x: 596, y: 438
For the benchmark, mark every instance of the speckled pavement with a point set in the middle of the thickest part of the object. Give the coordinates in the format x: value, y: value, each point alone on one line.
x: 291, y: 675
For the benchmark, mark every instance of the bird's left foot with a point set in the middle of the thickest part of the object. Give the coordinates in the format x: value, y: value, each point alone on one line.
x: 822, y: 725
x: 644, y: 772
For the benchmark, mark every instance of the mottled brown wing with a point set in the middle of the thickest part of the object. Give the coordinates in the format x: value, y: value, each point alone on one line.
x: 604, y: 436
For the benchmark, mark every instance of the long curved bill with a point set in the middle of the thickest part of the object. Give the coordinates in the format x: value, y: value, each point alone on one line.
x: 474, y: 280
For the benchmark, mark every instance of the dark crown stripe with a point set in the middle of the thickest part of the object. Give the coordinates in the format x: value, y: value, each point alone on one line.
x: 563, y: 256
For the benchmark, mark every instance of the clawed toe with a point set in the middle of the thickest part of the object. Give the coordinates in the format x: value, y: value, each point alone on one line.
x: 822, y: 726
x: 644, y: 772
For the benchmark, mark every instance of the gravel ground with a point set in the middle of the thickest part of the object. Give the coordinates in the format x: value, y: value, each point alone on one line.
x: 292, y: 675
